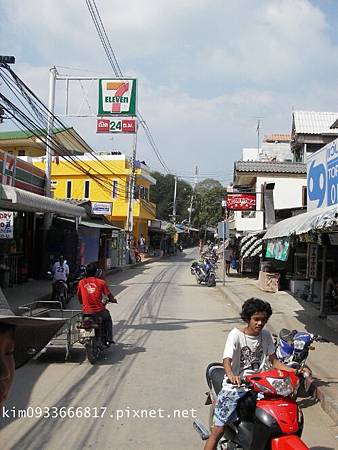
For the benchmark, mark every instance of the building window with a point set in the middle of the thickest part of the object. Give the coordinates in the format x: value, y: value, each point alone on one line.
x: 22, y: 153
x: 248, y: 214
x: 86, y: 189
x: 69, y: 189
x: 114, y: 189
x: 304, y: 196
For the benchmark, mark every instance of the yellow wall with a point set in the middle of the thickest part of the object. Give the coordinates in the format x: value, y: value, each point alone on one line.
x: 101, y: 189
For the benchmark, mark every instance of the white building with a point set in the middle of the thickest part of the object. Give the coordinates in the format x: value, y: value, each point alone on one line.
x: 289, y: 193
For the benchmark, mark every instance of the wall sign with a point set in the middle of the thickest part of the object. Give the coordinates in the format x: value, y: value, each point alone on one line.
x: 312, y: 260
x: 6, y: 224
x: 101, y: 208
x: 241, y: 202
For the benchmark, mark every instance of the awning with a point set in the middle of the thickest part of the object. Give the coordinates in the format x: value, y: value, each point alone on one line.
x: 251, y: 245
x: 93, y: 224
x: 318, y: 219
x: 18, y: 199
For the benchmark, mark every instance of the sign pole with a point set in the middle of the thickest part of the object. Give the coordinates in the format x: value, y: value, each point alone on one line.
x: 224, y: 226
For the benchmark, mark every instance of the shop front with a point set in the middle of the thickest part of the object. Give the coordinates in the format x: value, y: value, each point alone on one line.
x: 23, y: 249
x: 302, y: 252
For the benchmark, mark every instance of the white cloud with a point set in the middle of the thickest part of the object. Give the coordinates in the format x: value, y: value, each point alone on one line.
x: 206, y: 69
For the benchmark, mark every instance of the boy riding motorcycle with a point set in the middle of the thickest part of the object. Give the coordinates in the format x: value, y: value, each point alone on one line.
x: 246, y: 351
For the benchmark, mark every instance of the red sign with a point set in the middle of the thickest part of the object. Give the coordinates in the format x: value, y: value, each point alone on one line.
x: 128, y: 125
x: 116, y: 126
x: 103, y: 126
x: 241, y: 202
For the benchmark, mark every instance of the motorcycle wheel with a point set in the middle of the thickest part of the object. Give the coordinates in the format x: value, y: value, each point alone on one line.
x: 211, y: 281
x: 93, y: 351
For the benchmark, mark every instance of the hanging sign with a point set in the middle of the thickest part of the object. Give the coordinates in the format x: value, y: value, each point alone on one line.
x: 6, y: 224
x: 117, y: 97
x: 116, y: 125
x: 312, y: 260
x: 241, y: 202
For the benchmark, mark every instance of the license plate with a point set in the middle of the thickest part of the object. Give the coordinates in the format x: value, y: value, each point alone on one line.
x: 87, y: 333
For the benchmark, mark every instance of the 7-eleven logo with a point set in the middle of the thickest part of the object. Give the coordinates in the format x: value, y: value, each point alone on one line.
x: 117, y: 97
x: 118, y: 89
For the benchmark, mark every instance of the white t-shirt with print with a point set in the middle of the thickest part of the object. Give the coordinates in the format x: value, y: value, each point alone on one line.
x: 249, y: 354
x: 60, y: 272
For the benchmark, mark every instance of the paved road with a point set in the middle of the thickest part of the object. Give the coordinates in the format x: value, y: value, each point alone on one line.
x: 167, y: 330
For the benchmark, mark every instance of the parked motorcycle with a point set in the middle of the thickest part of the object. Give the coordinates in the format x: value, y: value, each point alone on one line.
x: 268, y: 418
x: 93, y: 336
x: 292, y: 349
x: 204, y: 272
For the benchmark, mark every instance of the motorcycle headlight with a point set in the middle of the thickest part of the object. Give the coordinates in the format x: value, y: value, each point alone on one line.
x: 282, y: 386
x: 299, y: 345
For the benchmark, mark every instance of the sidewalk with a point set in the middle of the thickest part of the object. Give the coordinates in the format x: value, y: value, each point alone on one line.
x: 291, y: 313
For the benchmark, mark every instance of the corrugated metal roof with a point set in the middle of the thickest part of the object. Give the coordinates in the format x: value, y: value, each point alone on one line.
x: 313, y: 122
x: 270, y: 167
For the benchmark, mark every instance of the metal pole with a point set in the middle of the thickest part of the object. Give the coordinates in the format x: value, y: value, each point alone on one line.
x: 174, y: 204
x: 322, y: 290
x: 224, y: 226
x: 49, y: 149
x: 130, y: 218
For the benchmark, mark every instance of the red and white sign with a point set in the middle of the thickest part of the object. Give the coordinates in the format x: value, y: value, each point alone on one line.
x: 116, y: 125
x: 241, y: 202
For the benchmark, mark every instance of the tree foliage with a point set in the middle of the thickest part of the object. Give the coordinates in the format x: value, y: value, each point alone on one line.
x: 208, y: 203
x: 162, y: 194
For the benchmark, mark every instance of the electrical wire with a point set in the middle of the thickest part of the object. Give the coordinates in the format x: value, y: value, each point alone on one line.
x: 95, y: 15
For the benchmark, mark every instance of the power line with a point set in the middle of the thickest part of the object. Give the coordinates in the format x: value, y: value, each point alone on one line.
x: 95, y: 15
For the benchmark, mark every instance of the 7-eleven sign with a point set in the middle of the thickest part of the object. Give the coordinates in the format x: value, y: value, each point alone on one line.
x: 117, y: 97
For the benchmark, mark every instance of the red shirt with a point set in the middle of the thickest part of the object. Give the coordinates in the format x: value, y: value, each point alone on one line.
x: 91, y: 290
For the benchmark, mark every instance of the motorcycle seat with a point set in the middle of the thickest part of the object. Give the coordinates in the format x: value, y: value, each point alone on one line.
x: 215, y: 375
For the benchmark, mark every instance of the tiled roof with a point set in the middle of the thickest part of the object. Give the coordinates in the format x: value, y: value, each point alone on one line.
x: 312, y: 122
x: 270, y: 167
x: 277, y: 137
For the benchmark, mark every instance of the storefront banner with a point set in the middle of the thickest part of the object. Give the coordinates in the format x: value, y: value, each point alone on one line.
x: 6, y: 224
x: 278, y: 249
x: 322, y: 177
x: 101, y: 208
x: 241, y: 202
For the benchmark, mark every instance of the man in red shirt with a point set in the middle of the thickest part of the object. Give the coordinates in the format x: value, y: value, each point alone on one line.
x: 90, y: 292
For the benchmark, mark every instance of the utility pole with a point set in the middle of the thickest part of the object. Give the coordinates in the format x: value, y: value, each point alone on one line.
x: 258, y: 130
x: 192, y: 194
x: 174, y: 204
x: 50, y: 122
x: 130, y: 218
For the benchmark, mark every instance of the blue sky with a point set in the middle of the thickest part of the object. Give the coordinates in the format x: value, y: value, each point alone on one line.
x: 206, y: 68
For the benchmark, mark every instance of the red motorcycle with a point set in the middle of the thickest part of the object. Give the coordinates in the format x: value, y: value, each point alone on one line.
x: 268, y: 416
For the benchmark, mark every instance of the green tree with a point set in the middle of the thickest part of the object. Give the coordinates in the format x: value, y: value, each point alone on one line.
x: 207, y: 207
x: 162, y: 194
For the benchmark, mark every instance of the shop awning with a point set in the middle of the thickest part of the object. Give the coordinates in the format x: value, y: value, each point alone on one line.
x: 318, y: 219
x: 251, y: 245
x: 94, y: 224
x: 18, y: 199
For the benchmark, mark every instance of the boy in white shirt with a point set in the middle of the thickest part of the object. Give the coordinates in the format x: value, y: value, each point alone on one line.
x: 246, y: 351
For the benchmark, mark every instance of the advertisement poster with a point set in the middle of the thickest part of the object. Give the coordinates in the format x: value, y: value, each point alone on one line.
x: 6, y: 224
x: 278, y: 249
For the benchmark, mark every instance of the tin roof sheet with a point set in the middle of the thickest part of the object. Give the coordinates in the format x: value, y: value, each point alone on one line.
x: 314, y: 122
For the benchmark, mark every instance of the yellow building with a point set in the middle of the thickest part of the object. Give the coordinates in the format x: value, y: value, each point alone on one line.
x: 106, y: 181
